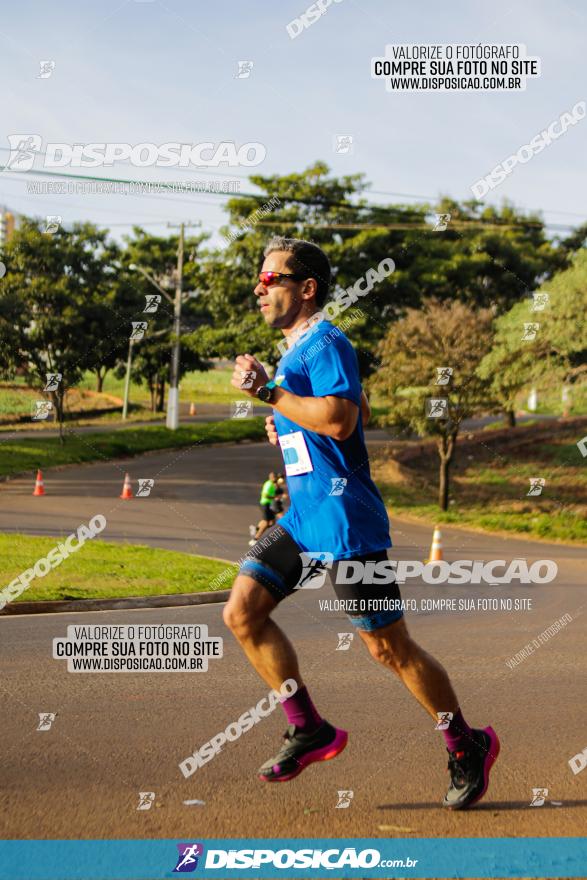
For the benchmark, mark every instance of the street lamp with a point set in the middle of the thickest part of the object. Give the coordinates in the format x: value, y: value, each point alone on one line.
x: 172, y: 421
x: 127, y: 379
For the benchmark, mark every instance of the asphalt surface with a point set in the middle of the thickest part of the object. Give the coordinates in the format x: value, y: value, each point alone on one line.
x: 205, y: 412
x: 118, y: 734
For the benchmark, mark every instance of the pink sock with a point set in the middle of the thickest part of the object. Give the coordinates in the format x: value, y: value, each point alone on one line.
x: 301, y: 711
x: 458, y: 734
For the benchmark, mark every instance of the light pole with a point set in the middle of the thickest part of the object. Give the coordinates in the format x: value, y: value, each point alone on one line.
x: 173, y: 395
x: 172, y: 421
x: 127, y: 379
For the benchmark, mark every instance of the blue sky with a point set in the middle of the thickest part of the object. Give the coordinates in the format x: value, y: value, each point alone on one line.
x: 163, y: 71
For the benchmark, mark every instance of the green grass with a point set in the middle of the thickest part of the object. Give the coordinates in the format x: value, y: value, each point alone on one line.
x: 99, y: 570
x: 489, y: 490
x: 212, y: 386
x: 18, y: 456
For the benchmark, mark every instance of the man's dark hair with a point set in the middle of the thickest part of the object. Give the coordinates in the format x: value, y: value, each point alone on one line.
x: 306, y: 259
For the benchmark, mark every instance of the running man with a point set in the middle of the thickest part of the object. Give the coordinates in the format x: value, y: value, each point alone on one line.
x: 266, y: 500
x: 335, y: 508
x: 280, y: 496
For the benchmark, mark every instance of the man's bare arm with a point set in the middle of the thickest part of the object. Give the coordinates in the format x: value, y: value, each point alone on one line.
x: 332, y: 416
x: 365, y: 409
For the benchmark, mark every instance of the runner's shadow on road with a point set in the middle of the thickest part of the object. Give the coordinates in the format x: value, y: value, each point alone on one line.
x: 493, y: 805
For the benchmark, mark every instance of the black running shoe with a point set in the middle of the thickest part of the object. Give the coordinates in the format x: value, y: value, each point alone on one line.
x: 469, y: 770
x: 299, y: 750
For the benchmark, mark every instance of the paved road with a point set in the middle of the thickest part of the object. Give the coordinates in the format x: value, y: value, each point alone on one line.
x: 205, y: 412
x: 118, y: 734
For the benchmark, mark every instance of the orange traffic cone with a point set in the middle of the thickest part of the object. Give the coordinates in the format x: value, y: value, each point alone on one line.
x: 436, y: 548
x: 126, y: 489
x: 192, y: 409
x: 39, y: 485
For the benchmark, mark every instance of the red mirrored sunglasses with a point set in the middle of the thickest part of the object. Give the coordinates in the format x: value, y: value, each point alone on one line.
x: 268, y: 279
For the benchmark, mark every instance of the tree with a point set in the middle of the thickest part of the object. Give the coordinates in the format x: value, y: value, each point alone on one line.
x: 423, y: 399
x: 542, y: 339
x: 53, y: 282
x: 485, y: 257
x: 157, y: 256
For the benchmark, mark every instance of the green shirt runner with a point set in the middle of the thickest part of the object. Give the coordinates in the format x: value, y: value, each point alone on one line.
x: 267, y: 492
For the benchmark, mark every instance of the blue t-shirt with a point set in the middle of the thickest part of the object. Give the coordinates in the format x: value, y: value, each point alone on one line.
x: 334, y: 507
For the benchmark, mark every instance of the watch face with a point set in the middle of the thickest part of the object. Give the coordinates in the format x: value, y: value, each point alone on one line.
x: 264, y: 393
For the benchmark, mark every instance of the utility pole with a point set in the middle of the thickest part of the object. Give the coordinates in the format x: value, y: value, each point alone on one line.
x: 127, y: 380
x: 173, y: 395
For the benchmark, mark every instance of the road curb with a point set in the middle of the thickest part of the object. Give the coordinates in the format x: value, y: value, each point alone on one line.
x: 70, y: 605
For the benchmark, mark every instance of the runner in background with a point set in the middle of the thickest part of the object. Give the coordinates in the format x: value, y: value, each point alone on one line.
x: 267, y: 498
x: 280, y: 496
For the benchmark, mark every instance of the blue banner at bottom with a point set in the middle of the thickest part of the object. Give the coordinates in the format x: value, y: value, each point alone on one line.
x: 287, y: 859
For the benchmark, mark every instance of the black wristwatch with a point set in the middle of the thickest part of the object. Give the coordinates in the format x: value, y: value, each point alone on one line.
x: 266, y: 392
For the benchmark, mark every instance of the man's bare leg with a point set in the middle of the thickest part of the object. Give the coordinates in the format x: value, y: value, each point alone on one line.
x: 262, y: 527
x: 267, y: 647
x: 422, y: 674
x: 310, y: 738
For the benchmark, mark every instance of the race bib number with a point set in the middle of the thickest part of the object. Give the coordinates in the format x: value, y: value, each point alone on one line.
x: 295, y: 454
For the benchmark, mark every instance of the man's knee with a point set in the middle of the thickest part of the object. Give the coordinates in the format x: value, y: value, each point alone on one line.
x: 248, y: 607
x: 391, y: 647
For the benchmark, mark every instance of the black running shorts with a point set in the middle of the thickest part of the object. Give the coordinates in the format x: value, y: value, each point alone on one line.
x: 277, y: 563
x: 266, y: 512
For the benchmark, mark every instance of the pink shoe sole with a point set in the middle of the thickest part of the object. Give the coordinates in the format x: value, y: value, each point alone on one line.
x: 324, y: 754
x: 492, y: 754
